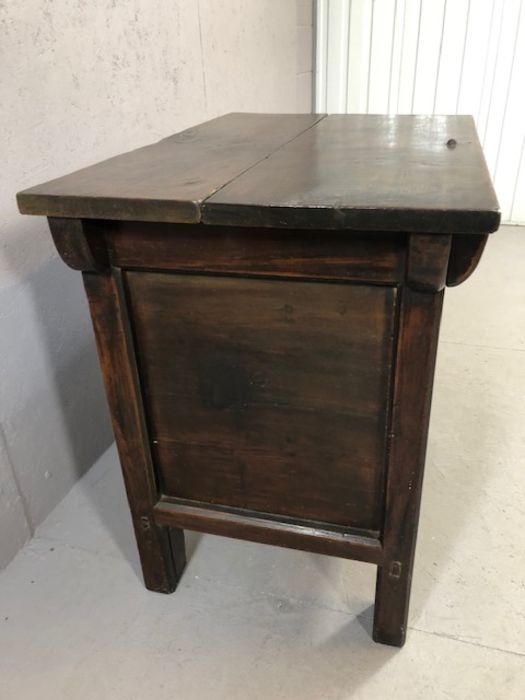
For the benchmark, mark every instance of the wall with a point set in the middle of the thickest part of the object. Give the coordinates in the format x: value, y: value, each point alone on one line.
x: 81, y: 82
x: 433, y: 56
x: 305, y: 55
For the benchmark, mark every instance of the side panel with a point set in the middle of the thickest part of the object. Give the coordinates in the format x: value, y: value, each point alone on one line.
x: 269, y: 395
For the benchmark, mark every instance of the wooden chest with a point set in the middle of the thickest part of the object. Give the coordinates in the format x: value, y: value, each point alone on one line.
x: 266, y: 293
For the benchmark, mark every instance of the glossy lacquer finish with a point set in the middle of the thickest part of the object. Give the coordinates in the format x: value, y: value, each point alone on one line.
x: 266, y: 293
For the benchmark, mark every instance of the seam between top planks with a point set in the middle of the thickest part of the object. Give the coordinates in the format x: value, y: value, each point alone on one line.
x: 257, y: 162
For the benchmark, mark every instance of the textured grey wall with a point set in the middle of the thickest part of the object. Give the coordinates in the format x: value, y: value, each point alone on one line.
x: 82, y: 81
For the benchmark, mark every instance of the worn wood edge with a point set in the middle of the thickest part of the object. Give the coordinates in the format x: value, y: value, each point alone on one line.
x: 110, y: 208
x: 138, y: 399
x: 171, y: 539
x: 106, y: 297
x: 239, y: 524
x: 434, y: 221
x: 412, y: 391
x: 80, y: 245
x: 35, y: 201
x: 428, y: 259
x: 216, y: 214
x: 465, y: 254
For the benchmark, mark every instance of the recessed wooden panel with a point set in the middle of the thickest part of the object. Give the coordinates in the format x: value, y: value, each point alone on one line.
x: 267, y: 395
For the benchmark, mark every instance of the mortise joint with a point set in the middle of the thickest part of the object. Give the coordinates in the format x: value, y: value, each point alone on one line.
x: 395, y: 569
x: 145, y: 523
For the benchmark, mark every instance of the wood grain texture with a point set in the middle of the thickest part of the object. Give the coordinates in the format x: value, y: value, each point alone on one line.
x: 368, y: 172
x: 420, y: 314
x: 257, y: 252
x: 80, y: 244
x: 266, y: 292
x: 283, y: 532
x: 168, y: 180
x: 351, y: 172
x: 465, y: 255
x: 161, y: 551
x: 428, y: 259
x: 267, y: 395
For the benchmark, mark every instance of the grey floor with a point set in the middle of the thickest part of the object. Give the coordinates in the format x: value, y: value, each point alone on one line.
x: 256, y: 622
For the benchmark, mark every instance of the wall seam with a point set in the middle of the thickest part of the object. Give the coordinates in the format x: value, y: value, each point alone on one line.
x: 4, y: 449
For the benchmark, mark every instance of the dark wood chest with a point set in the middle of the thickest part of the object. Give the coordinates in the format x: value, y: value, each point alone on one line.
x: 266, y: 292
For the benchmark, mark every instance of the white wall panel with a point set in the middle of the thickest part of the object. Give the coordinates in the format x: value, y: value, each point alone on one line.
x: 433, y: 57
x: 381, y: 45
x: 360, y: 31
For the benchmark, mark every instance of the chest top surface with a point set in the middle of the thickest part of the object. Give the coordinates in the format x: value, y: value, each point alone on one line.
x: 424, y: 174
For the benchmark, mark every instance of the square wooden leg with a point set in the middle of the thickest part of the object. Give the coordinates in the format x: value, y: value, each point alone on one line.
x: 162, y: 555
x: 420, y: 316
x: 161, y: 549
x: 391, y: 603
x: 178, y: 552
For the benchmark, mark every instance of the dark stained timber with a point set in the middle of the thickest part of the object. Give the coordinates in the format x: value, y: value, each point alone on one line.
x: 284, y: 532
x: 266, y: 292
x: 259, y: 252
x: 267, y: 395
x: 369, y: 173
x: 420, y: 316
x: 162, y: 553
x: 168, y: 180
x: 345, y: 171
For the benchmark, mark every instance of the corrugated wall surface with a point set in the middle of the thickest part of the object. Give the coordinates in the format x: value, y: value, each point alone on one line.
x: 433, y: 56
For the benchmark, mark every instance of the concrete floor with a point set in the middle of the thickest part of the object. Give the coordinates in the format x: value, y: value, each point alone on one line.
x: 256, y: 622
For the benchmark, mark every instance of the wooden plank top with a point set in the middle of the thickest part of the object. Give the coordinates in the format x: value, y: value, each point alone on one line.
x: 168, y: 180
x: 358, y: 172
